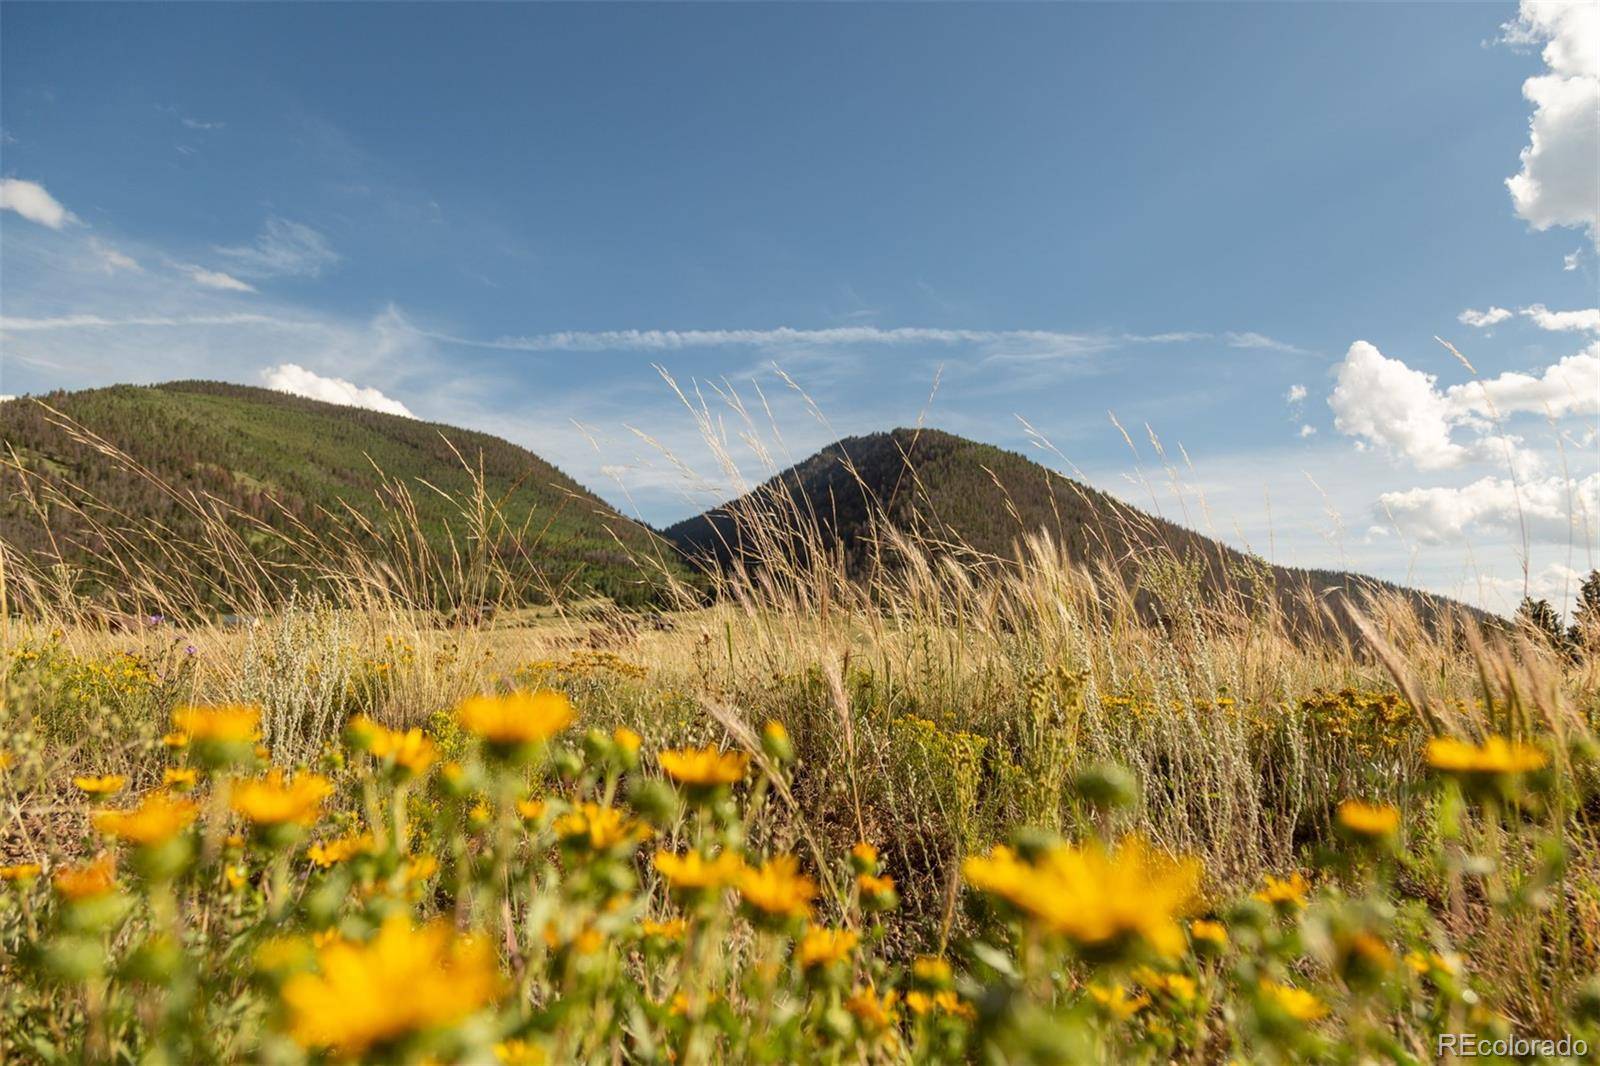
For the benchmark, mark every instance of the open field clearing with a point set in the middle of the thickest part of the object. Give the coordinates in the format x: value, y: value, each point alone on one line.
x: 956, y: 811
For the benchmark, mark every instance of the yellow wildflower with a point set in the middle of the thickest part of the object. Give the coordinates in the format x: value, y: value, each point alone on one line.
x: 331, y: 852
x: 26, y: 871
x: 824, y: 947
x: 1371, y: 820
x: 873, y: 1011
x: 179, y: 778
x: 1208, y: 932
x: 531, y: 809
x: 88, y: 881
x: 693, y: 872
x: 1101, y: 900
x: 519, y: 1053
x: 175, y: 739
x: 406, y: 980
x: 672, y: 929
x: 600, y: 828
x: 100, y: 786
x: 516, y: 718
x: 272, y: 800
x: 1116, y: 1002
x: 626, y: 739
x: 228, y: 723
x: 1297, y: 1003
x: 1284, y: 891
x: 947, y: 1001
x: 1495, y: 757
x: 411, y: 750
x: 706, y: 767
x: 778, y: 888
x: 155, y: 821
x: 931, y: 971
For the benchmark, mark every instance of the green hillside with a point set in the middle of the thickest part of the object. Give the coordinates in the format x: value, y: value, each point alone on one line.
x: 286, y: 469
x: 975, y: 497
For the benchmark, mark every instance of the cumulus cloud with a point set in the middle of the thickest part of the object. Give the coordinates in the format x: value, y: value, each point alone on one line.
x: 1569, y: 387
x: 1296, y: 394
x: 1561, y: 164
x: 1383, y: 402
x: 1553, y: 510
x: 1386, y: 404
x: 1308, y: 431
x: 1481, y: 319
x: 215, y: 279
x: 1583, y: 320
x: 30, y: 200
x: 296, y: 379
x: 1571, y: 260
x: 282, y: 249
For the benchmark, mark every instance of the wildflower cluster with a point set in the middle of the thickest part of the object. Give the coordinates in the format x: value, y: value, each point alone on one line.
x: 518, y: 886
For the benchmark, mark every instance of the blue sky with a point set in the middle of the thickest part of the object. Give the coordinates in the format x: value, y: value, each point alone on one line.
x: 508, y: 217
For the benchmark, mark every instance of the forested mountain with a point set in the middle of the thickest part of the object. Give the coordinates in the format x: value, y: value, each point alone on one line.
x: 283, y: 467
x: 977, y: 498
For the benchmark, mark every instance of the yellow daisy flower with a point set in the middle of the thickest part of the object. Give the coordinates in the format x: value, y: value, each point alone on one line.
x: 273, y: 800
x: 516, y: 718
x: 1100, y: 900
x: 824, y: 947
x: 407, y: 980
x: 155, y: 821
x: 777, y: 888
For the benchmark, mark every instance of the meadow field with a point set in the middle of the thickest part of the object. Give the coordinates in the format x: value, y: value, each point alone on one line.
x: 961, y: 809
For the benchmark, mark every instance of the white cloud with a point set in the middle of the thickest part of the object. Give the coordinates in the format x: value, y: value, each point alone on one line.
x: 36, y: 325
x: 30, y: 200
x: 1569, y: 387
x: 1296, y: 394
x: 1383, y: 402
x: 1251, y: 339
x: 4, y: 396
x: 296, y: 379
x: 110, y: 259
x: 1308, y: 431
x: 1480, y: 319
x: 1553, y: 510
x: 283, y: 249
x: 196, y: 124
x: 1561, y: 164
x: 215, y: 279
x: 1571, y: 260
x: 1582, y: 320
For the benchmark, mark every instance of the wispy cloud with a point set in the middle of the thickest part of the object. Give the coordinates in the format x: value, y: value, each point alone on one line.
x: 31, y: 200
x: 196, y: 124
x: 214, y: 279
x: 1251, y: 339
x: 111, y: 259
x: 282, y: 249
x: 1001, y: 341
x: 35, y: 325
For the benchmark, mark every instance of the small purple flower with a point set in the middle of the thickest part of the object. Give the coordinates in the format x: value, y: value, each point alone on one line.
x: 188, y: 649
